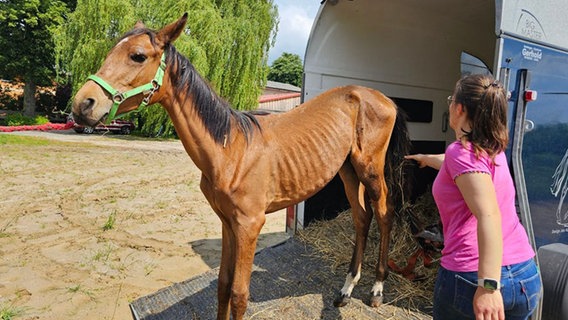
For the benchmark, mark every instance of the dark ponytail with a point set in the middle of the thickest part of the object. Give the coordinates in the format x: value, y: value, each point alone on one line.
x: 485, y: 102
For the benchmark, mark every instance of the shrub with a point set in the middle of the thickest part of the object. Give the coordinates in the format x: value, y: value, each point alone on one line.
x: 18, y: 119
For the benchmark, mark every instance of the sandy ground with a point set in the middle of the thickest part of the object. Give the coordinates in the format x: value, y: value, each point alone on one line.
x: 57, y: 259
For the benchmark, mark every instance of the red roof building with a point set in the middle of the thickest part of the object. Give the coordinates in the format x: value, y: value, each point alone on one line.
x: 279, y: 97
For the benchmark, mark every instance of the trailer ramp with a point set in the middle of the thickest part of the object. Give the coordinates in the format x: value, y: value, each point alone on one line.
x: 289, y: 281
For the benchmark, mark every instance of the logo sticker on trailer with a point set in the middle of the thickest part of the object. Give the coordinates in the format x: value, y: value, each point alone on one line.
x: 532, y: 53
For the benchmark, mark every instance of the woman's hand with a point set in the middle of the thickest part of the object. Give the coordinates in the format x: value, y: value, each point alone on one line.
x: 427, y: 160
x: 488, y: 305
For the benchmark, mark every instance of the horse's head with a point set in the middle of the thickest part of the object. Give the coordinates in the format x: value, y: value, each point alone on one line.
x: 130, y: 76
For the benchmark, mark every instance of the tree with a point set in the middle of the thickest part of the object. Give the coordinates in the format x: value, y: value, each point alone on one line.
x: 227, y: 42
x: 83, y: 42
x: 287, y: 69
x: 26, y: 40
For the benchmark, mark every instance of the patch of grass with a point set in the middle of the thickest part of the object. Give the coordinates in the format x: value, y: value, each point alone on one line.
x: 22, y: 140
x: 9, y: 312
x: 109, y: 224
x: 149, y: 267
x: 103, y: 255
x: 3, y: 233
x: 74, y: 289
x: 32, y: 141
x: 162, y: 205
x: 79, y: 289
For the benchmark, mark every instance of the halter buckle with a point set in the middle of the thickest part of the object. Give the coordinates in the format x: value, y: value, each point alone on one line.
x: 118, y: 98
x: 155, y: 87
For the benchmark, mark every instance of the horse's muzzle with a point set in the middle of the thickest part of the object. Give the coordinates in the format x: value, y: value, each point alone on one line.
x: 83, y: 111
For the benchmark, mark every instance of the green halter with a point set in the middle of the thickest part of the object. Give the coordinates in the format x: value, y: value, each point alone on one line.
x: 119, y: 97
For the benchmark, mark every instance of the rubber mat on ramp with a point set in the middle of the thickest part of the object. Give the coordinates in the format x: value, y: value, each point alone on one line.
x: 289, y: 281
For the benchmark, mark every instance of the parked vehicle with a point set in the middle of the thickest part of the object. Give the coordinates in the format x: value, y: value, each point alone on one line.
x: 414, y: 51
x: 116, y: 126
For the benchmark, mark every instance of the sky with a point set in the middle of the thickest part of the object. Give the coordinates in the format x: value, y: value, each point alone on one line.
x: 296, y: 18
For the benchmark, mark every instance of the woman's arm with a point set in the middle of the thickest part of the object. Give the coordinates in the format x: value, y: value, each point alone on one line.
x: 479, y: 194
x: 427, y: 160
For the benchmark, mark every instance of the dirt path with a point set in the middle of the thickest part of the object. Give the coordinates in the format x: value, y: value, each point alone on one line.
x: 57, y: 261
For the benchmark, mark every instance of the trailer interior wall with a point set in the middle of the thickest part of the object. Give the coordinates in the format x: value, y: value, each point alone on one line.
x: 405, y: 48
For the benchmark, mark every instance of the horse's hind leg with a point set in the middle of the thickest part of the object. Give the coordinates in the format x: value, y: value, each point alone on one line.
x: 362, y: 220
x: 384, y: 214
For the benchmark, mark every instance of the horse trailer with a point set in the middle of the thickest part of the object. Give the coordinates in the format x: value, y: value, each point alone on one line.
x: 414, y: 51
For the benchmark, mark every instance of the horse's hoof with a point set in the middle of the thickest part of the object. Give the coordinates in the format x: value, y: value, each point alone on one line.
x: 376, y: 301
x: 341, y: 301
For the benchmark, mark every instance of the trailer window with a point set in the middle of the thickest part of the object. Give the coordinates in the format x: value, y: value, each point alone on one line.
x: 472, y: 65
x: 416, y: 110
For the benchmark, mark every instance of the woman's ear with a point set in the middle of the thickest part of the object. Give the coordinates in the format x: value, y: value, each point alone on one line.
x: 460, y: 109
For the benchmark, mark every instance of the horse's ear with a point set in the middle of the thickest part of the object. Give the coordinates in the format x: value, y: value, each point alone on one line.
x: 171, y: 32
x: 139, y: 25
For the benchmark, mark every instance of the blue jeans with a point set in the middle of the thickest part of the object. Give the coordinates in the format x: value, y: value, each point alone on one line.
x: 454, y: 291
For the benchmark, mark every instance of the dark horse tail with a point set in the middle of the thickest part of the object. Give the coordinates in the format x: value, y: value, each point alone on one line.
x: 396, y: 167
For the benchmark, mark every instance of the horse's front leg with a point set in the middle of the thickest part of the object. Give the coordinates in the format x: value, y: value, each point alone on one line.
x: 226, y: 271
x: 384, y: 216
x: 246, y: 230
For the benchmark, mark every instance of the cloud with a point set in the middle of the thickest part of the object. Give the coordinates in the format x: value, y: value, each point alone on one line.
x: 296, y: 18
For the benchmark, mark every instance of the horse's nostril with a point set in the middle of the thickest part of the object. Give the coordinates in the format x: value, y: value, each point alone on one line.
x: 87, y: 105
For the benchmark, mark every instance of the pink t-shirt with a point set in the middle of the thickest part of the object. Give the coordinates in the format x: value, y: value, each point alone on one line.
x: 460, y: 251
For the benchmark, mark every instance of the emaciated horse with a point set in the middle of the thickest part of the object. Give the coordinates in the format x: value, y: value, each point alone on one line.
x: 256, y: 164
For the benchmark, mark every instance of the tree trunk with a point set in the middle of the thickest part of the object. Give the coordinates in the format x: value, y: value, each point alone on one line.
x: 29, y: 98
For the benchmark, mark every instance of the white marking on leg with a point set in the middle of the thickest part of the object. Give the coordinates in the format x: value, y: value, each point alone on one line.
x: 350, y: 283
x: 377, y: 289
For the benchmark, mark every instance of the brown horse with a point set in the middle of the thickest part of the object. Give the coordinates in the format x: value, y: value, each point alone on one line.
x: 255, y: 164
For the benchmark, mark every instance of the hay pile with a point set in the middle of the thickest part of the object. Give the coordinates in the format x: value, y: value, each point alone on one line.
x: 334, y: 241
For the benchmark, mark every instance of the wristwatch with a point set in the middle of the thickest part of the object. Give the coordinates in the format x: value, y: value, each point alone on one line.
x: 489, y: 284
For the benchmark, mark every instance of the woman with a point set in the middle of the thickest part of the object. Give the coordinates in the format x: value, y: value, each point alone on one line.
x: 487, y: 269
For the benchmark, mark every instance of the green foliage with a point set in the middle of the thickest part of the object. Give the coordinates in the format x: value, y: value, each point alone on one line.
x: 9, y: 312
x: 109, y: 224
x: 18, y: 119
x: 247, y: 26
x: 26, y: 38
x: 227, y: 42
x: 90, y: 32
x: 287, y: 69
x: 153, y: 121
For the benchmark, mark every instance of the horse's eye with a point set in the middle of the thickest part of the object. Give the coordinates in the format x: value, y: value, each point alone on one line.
x: 138, y: 57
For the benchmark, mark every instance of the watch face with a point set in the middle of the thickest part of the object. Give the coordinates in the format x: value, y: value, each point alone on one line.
x: 490, y: 284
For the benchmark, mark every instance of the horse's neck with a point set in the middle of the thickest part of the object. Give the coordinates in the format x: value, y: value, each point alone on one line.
x: 207, y: 155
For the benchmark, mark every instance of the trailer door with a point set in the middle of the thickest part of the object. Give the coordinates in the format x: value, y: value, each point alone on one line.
x: 539, y: 147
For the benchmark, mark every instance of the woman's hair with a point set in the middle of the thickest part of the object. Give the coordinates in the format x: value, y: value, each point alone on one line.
x: 485, y: 102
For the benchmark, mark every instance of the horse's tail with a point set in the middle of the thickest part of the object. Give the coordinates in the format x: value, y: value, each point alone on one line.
x: 396, y: 168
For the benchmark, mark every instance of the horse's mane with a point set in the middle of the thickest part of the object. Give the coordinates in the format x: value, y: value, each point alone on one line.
x: 216, y: 113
